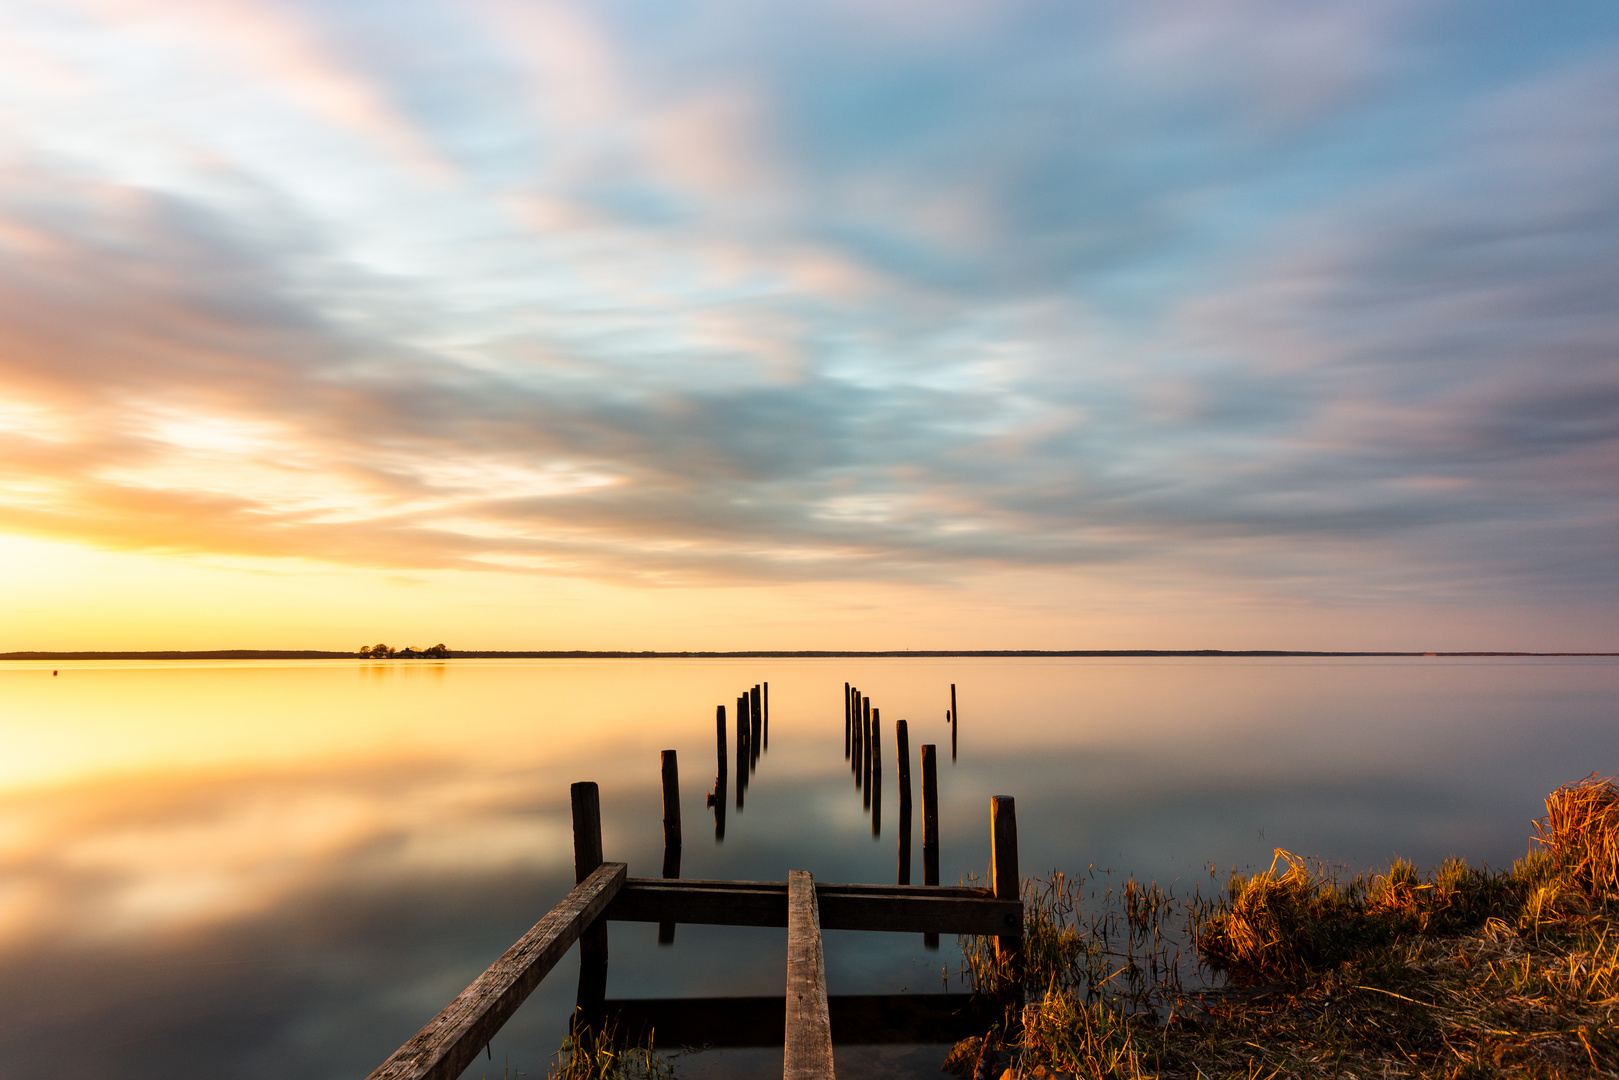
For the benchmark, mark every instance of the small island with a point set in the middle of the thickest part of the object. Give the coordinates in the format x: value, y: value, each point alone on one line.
x: 380, y: 651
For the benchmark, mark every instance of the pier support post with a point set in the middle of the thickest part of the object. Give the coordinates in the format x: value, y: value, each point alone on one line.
x: 766, y: 744
x: 1003, y: 872
x: 902, y: 757
x: 587, y: 856
x: 671, y: 833
x: 930, y: 826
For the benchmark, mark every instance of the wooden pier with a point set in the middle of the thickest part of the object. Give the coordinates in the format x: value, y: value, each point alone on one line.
x: 446, y: 1045
x: 806, y: 1021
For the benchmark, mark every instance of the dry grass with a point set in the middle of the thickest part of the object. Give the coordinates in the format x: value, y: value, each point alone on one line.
x: 1459, y: 973
x: 600, y: 1052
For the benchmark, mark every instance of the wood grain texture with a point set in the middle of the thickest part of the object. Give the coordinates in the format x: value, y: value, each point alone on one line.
x: 807, y: 1054
x: 443, y: 1048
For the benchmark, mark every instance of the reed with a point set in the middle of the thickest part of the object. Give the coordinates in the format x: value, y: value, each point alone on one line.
x: 602, y: 1052
x: 1301, y: 971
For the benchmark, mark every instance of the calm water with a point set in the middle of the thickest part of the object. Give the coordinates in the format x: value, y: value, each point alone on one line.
x: 256, y: 870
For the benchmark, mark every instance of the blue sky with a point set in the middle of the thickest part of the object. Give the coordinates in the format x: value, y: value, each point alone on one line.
x: 1218, y: 311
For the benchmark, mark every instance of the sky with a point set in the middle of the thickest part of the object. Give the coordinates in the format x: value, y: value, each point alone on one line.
x: 732, y: 325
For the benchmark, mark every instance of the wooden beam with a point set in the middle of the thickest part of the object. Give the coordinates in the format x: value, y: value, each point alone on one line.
x: 447, y: 1044
x: 807, y: 1054
x: 915, y: 909
x: 857, y: 1020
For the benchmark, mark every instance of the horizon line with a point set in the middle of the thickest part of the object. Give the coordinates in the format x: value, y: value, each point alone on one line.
x: 783, y: 654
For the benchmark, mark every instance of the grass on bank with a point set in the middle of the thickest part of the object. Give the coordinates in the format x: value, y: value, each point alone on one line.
x: 1462, y: 972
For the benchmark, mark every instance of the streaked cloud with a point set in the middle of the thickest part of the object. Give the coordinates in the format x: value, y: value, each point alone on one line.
x: 1314, y: 302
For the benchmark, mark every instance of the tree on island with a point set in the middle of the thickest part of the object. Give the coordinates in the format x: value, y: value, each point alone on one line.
x: 380, y: 651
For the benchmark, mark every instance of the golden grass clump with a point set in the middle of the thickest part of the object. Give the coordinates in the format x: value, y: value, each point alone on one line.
x: 1580, y: 833
x: 1463, y: 973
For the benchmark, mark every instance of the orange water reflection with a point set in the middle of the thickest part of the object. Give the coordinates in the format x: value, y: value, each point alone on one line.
x: 239, y: 868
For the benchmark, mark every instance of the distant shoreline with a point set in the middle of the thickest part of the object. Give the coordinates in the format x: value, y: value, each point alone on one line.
x: 754, y: 654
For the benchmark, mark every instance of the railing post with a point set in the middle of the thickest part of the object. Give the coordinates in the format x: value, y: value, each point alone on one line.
x: 587, y: 856
x: 1003, y: 872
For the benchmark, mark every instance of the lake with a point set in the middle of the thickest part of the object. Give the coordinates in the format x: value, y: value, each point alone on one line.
x: 285, y: 868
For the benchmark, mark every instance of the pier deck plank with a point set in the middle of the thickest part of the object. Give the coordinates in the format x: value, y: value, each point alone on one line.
x: 808, y: 1050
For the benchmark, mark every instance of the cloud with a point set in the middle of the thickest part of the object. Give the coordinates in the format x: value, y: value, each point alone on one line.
x: 1255, y: 297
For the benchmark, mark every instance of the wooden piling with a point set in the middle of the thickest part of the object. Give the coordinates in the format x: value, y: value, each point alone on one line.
x: 756, y: 714
x: 876, y: 784
x: 587, y: 856
x: 859, y: 739
x: 807, y: 1053
x: 719, y: 738
x: 955, y: 721
x: 847, y: 727
x: 902, y: 761
x: 1003, y: 873
x: 741, y: 753
x: 671, y: 833
x: 671, y: 800
x: 930, y: 826
x: 865, y: 752
x: 766, y: 744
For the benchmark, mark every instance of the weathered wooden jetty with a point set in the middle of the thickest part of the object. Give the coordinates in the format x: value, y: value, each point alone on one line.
x: 806, y: 1019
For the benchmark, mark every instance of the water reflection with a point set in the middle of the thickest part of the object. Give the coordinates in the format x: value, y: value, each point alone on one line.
x: 262, y: 869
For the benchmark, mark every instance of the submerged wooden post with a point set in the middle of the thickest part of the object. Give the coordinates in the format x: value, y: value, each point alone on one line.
x: 955, y: 721
x: 766, y: 744
x: 902, y: 759
x: 587, y: 856
x: 847, y: 732
x: 1003, y: 872
x: 930, y: 826
x: 807, y: 1054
